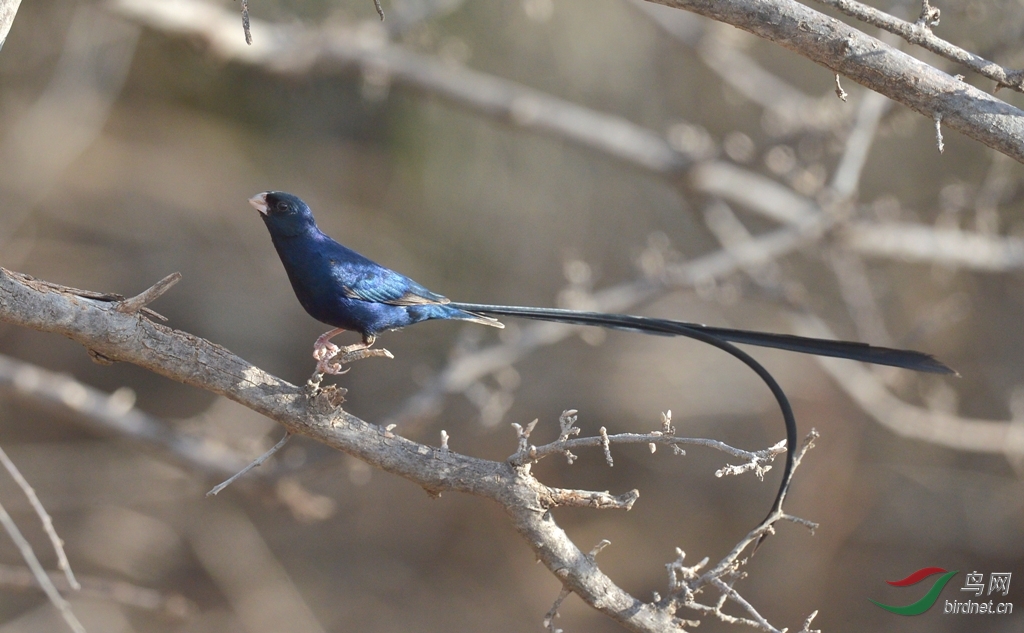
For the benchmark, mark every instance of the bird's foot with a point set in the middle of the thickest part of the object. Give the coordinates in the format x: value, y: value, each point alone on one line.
x: 325, y: 366
x: 325, y: 351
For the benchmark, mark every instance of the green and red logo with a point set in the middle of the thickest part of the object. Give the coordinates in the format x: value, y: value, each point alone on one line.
x: 929, y: 599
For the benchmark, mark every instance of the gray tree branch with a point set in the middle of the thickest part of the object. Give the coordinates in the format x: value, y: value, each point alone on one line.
x: 875, y: 65
x: 920, y: 34
x: 8, y: 9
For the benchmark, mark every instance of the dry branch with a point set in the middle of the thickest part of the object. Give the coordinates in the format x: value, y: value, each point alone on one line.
x: 875, y: 65
x: 920, y: 34
x: 8, y: 9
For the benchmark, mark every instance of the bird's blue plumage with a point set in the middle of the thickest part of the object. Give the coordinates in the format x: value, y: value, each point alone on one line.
x: 340, y: 287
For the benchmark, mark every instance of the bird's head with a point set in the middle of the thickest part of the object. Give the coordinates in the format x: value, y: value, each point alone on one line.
x: 283, y: 213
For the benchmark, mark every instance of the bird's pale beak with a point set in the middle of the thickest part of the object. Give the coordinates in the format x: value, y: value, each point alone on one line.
x: 259, y: 202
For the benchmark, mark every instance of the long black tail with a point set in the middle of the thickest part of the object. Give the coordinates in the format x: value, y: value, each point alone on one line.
x: 720, y: 338
x: 907, y: 359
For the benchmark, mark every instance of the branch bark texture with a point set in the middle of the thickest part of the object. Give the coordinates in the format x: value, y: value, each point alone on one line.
x: 8, y: 9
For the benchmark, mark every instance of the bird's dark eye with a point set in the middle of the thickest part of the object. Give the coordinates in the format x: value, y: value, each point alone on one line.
x: 283, y: 207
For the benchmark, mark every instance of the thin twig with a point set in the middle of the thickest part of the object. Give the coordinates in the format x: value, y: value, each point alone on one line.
x: 245, y: 22
x: 549, y: 617
x: 256, y: 462
x: 40, y: 574
x: 58, y: 544
x: 839, y: 89
x: 148, y: 296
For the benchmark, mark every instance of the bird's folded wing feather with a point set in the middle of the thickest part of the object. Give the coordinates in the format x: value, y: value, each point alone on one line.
x: 385, y: 286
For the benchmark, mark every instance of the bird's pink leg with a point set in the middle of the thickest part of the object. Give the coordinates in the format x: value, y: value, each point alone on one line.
x: 324, y: 350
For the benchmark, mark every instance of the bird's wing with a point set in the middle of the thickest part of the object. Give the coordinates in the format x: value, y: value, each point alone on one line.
x: 387, y: 286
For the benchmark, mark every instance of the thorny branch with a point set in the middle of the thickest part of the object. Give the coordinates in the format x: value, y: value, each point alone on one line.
x: 530, y: 454
x: 109, y: 332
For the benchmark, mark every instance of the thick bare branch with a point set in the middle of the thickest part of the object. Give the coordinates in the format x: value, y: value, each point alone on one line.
x: 875, y: 65
x: 920, y: 34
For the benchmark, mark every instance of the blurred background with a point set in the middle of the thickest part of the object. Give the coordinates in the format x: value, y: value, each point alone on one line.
x: 535, y: 152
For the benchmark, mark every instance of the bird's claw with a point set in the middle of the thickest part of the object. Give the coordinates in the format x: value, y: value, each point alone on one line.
x: 325, y: 352
x: 325, y: 366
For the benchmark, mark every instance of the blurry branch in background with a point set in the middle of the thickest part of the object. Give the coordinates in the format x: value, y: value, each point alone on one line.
x: 115, y: 414
x: 404, y: 15
x: 8, y: 9
x: 39, y: 573
x: 68, y: 116
x: 938, y: 245
x: 44, y: 517
x: 866, y: 387
x: 294, y: 49
x: 172, y: 605
x: 113, y: 335
x: 873, y: 64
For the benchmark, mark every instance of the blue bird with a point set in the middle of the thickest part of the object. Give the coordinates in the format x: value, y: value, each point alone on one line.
x: 347, y: 291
